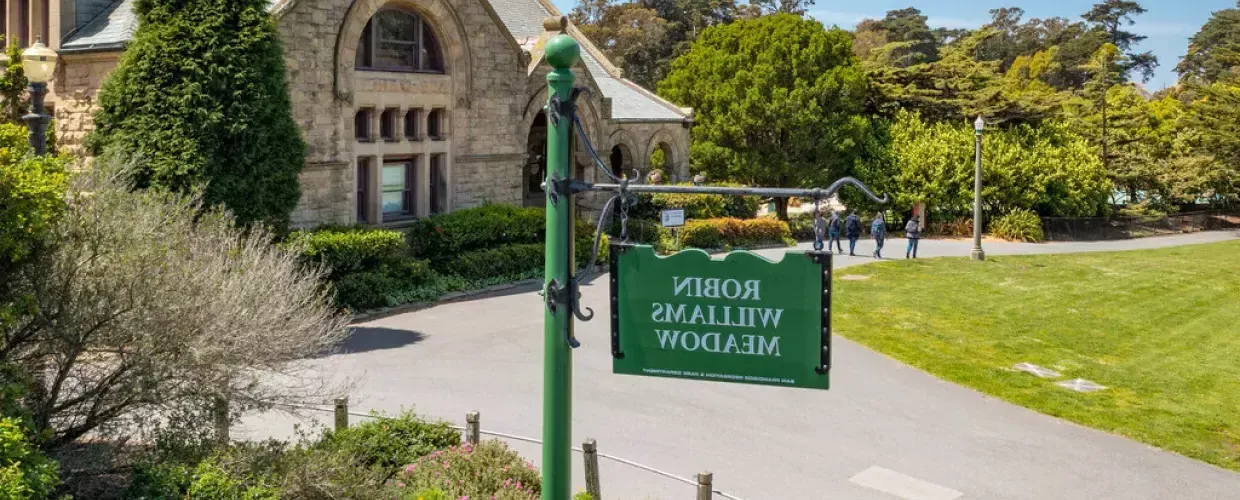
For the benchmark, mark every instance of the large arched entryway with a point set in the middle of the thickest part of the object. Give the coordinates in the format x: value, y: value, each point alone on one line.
x: 535, y: 164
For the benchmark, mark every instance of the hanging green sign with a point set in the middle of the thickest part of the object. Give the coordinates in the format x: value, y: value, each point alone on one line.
x: 739, y: 318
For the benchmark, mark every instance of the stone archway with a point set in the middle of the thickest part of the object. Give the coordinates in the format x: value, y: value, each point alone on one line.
x: 661, y: 159
x: 621, y: 160
x: 534, y: 171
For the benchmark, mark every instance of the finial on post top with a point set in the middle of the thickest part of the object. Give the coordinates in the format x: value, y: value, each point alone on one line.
x: 563, y: 52
x: 555, y: 24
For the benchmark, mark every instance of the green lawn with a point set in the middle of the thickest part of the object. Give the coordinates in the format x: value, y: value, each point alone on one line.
x: 1160, y: 328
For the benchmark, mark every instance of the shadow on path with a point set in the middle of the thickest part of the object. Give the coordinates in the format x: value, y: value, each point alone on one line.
x: 368, y: 339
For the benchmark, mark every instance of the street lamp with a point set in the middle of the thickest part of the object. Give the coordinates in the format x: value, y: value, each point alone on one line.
x: 39, y: 63
x: 978, y: 254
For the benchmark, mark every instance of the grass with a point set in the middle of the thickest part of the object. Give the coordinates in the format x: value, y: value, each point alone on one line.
x: 1160, y: 328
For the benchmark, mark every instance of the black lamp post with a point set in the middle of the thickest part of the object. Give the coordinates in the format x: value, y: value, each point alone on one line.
x: 39, y: 63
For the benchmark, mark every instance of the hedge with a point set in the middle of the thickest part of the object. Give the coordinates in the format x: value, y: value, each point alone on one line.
x: 729, y: 232
x: 351, y: 249
x: 1018, y: 225
x: 441, y: 236
x: 697, y: 206
x: 383, y: 286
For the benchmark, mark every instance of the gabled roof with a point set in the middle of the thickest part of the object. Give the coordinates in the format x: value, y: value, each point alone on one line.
x: 629, y: 102
x: 115, y: 27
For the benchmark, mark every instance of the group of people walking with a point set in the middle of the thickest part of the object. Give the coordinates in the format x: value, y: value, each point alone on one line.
x: 850, y: 227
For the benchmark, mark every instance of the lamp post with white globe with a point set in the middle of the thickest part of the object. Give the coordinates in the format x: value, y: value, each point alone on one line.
x: 39, y: 63
x: 978, y: 254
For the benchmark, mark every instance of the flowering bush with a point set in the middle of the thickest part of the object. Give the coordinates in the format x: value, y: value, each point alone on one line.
x: 487, y: 471
x: 728, y: 232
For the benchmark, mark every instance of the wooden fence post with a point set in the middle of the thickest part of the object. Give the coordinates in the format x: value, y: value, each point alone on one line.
x: 589, y: 452
x: 704, y: 486
x: 473, y: 431
x: 342, y: 413
x: 219, y: 414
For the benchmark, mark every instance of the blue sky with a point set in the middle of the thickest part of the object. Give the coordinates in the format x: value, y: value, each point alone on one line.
x: 1168, y: 24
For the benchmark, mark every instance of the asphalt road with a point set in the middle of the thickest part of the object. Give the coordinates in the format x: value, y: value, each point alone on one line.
x: 884, y: 430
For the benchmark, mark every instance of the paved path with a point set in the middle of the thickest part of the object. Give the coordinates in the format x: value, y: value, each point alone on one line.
x: 884, y: 430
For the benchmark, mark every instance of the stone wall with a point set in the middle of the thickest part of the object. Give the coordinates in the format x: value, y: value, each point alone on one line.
x: 78, y: 78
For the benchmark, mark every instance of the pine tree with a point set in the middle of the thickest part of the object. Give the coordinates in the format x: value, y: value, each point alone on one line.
x: 200, y: 99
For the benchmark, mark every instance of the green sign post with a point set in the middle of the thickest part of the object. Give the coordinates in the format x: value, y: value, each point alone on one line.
x: 743, y: 319
x: 739, y: 318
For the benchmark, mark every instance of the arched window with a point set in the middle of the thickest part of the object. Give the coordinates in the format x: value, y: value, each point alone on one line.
x: 396, y: 40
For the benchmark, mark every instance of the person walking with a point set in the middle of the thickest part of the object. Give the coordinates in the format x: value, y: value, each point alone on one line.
x: 852, y: 229
x: 820, y: 230
x: 912, y: 231
x: 834, y: 227
x: 878, y: 229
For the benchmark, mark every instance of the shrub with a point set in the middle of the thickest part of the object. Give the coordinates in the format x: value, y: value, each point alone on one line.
x: 697, y: 206
x: 391, y: 443
x: 802, y: 226
x: 24, y: 472
x: 350, y: 249
x: 1018, y: 225
x: 959, y: 227
x: 489, y: 470
x: 726, y: 233
x: 213, y: 482
x: 442, y: 236
x: 201, y: 98
x: 382, y: 286
x: 641, y: 231
x: 517, y: 260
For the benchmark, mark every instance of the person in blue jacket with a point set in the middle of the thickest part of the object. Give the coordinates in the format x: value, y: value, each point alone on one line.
x: 852, y: 229
x: 878, y: 229
x: 834, y: 227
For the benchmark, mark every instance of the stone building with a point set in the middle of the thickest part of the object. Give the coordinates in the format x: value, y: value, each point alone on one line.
x: 409, y: 107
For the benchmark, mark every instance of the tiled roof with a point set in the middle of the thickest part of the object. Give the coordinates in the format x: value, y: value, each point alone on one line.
x: 114, y: 27
x: 110, y: 30
x: 629, y: 102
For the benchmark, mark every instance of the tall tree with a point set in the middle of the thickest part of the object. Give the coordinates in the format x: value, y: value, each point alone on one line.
x: 1111, y: 17
x: 778, y: 101
x: 909, y: 26
x: 1214, y: 52
x: 200, y: 99
x: 1215, y: 117
x: 633, y: 37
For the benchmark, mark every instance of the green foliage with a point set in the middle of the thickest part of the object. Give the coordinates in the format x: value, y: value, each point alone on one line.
x: 1018, y: 225
x: 390, y: 443
x: 1047, y: 168
x: 350, y: 249
x: 1213, y: 172
x: 1214, y: 52
x: 778, y: 101
x: 730, y: 233
x: 212, y: 482
x: 581, y: 495
x: 382, y: 286
x: 200, y: 97
x: 25, y: 473
x: 14, y: 95
x: 31, y: 195
x: 440, y: 237
x: 697, y: 206
x: 489, y: 470
x: 520, y: 260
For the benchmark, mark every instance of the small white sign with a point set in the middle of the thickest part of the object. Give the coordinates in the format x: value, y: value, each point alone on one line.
x: 674, y: 217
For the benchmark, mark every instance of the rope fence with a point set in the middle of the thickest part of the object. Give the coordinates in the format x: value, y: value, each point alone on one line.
x: 472, y: 430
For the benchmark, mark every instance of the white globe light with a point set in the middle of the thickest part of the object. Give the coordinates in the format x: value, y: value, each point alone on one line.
x: 39, y: 62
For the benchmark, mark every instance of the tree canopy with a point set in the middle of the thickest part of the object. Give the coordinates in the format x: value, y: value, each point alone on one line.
x: 200, y: 101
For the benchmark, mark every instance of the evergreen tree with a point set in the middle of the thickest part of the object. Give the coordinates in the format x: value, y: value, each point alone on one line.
x: 14, y: 85
x: 1110, y: 17
x: 200, y: 99
x: 1214, y: 52
x: 778, y: 100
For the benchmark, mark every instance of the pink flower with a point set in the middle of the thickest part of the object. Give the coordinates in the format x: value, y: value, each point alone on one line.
x: 410, y: 467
